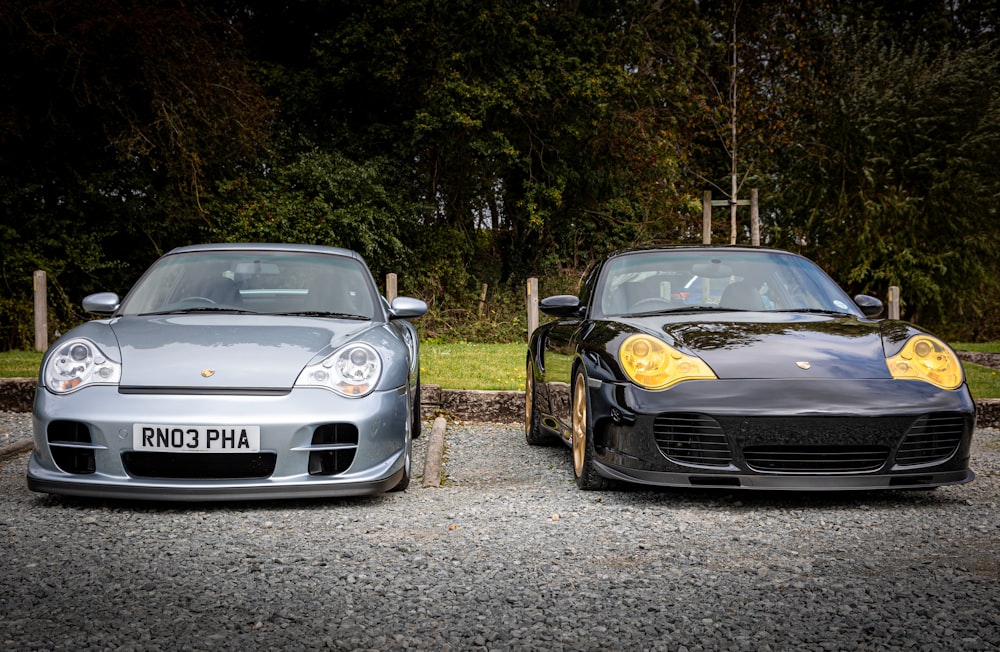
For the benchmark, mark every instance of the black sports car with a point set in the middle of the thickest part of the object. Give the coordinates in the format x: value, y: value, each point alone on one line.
x: 742, y: 367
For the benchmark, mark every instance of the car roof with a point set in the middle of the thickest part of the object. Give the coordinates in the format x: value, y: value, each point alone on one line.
x: 699, y: 248
x: 267, y: 246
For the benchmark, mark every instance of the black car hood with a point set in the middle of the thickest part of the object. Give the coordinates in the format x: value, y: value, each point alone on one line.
x: 780, y: 345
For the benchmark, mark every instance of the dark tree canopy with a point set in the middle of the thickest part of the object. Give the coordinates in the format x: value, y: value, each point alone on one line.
x: 115, y: 120
x: 460, y: 143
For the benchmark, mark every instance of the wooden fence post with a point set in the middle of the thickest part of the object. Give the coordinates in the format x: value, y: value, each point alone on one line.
x: 482, y: 299
x: 390, y: 287
x: 532, y: 305
x: 893, y: 302
x: 41, y: 311
x: 706, y: 218
x: 754, y: 219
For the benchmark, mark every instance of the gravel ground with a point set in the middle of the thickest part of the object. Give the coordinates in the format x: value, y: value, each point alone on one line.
x: 506, y: 555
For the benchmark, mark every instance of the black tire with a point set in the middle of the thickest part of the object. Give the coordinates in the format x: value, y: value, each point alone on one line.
x: 417, y: 424
x: 533, y: 433
x: 404, y: 482
x: 586, y: 475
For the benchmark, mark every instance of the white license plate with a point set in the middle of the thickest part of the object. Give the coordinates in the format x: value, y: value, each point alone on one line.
x: 196, y: 439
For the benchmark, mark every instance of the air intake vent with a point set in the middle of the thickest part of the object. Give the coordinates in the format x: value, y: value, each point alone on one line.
x: 333, y: 448
x: 205, y: 466
x: 692, y: 439
x: 815, y: 459
x: 72, y: 447
x: 932, y: 439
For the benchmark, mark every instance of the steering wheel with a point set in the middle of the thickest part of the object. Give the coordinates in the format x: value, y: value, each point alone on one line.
x: 197, y: 298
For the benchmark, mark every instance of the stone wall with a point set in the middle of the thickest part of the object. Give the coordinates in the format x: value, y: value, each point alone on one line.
x: 17, y: 394
x: 988, y: 413
x: 472, y: 405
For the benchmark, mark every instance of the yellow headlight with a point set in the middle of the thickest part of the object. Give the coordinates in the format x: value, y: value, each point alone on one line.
x: 927, y: 358
x: 653, y: 364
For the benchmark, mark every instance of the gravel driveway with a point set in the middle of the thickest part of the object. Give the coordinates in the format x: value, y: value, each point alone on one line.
x: 507, y: 554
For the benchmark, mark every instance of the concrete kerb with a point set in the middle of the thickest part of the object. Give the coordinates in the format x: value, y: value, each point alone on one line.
x: 434, y: 457
x: 15, y: 449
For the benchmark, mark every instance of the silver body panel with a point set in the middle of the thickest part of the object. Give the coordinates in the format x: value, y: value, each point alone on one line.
x: 286, y: 422
x: 226, y: 368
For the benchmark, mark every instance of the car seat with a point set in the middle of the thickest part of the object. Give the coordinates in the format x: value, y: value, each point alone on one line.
x: 741, y: 295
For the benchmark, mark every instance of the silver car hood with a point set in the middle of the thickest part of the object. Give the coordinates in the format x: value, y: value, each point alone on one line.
x: 214, y: 351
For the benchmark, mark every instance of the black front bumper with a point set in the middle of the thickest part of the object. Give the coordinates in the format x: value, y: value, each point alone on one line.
x: 784, y: 435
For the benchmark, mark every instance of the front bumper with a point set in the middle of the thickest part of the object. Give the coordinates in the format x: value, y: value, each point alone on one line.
x: 784, y: 435
x: 288, y: 426
x: 720, y: 480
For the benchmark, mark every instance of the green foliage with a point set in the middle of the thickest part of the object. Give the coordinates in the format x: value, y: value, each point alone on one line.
x: 318, y: 198
x: 527, y: 122
x: 461, y: 315
x: 459, y: 144
x: 897, y: 182
x: 114, y: 119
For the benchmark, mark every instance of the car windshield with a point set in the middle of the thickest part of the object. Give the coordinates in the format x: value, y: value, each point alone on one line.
x: 262, y: 282
x: 668, y: 281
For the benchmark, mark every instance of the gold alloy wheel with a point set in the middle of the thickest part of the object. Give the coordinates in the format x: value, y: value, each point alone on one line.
x: 579, y: 423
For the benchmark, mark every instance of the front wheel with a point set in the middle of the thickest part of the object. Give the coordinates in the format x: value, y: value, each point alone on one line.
x: 583, y: 441
x: 404, y: 482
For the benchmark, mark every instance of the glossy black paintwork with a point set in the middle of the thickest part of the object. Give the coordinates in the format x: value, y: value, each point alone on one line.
x: 763, y: 396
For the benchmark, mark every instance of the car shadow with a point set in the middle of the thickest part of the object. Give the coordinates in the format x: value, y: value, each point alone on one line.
x: 745, y: 499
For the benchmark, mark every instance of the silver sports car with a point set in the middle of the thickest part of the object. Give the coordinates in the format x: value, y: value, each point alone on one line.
x: 233, y: 371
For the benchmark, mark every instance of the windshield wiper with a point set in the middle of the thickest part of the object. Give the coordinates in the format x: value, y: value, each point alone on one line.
x: 183, y: 311
x: 321, y: 313
x: 679, y: 309
x: 818, y: 311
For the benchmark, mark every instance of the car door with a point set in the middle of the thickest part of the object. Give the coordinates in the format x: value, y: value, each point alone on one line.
x: 558, y: 353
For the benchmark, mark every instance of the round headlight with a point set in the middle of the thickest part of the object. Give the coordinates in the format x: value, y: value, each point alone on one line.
x: 929, y: 359
x: 653, y: 364
x: 76, y: 364
x: 353, y: 370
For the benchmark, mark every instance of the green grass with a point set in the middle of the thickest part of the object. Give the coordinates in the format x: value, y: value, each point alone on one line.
x: 978, y: 347
x: 473, y: 366
x: 983, y: 381
x: 19, y: 364
x: 501, y: 367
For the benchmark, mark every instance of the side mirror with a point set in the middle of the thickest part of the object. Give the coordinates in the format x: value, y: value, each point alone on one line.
x: 561, y: 305
x: 870, y: 306
x: 102, y: 303
x: 407, y: 308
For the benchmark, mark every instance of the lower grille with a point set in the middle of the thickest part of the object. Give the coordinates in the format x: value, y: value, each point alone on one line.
x: 815, y: 459
x: 932, y: 439
x: 205, y: 466
x: 693, y: 439
x: 334, y: 448
x: 72, y: 447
